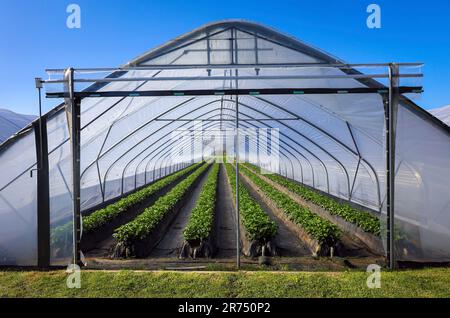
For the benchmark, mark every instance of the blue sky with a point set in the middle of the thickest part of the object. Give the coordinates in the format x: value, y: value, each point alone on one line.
x: 34, y: 35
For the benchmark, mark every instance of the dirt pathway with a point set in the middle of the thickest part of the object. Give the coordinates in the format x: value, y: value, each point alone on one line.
x: 225, y: 219
x: 170, y: 245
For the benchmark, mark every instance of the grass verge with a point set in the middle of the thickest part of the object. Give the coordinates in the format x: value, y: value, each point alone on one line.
x: 409, y: 283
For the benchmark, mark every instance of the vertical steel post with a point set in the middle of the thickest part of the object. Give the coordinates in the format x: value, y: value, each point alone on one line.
x: 43, y: 194
x: 391, y: 122
x: 236, y: 148
x: 74, y: 104
x: 76, y: 180
x: 43, y: 186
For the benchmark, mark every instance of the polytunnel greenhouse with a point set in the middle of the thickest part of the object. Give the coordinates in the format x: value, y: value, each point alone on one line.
x: 143, y: 161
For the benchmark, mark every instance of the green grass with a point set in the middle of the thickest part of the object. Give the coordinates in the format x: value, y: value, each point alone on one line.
x: 410, y: 283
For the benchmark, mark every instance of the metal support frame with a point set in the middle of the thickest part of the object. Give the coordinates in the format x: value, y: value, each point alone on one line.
x: 244, y: 91
x: 165, y: 146
x: 233, y: 120
x: 73, y: 105
x: 236, y: 148
x: 272, y: 104
x: 224, y: 78
x: 219, y: 120
x: 227, y: 66
x: 360, y: 158
x: 391, y: 123
x: 261, y: 122
x: 234, y: 60
x: 170, y: 146
x: 43, y: 189
x: 76, y: 181
x: 73, y: 100
x: 258, y: 120
x: 332, y: 138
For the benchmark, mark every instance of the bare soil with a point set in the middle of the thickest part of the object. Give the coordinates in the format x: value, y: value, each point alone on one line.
x: 172, y: 242
x: 225, y: 219
x: 304, y: 263
x: 293, y: 253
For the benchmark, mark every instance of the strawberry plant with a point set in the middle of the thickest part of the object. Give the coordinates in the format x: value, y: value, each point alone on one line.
x: 320, y: 229
x: 362, y: 219
x: 256, y: 222
x: 97, y: 219
x: 202, y: 217
x: 100, y: 217
x: 146, y: 222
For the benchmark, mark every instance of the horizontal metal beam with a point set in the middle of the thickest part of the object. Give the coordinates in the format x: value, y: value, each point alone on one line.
x: 227, y: 78
x: 220, y: 120
x: 256, y: 91
x: 234, y: 66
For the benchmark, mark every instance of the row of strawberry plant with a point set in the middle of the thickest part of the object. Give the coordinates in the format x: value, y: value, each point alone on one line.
x: 321, y: 230
x: 202, y: 217
x: 101, y: 217
x: 256, y: 222
x: 145, y: 223
x: 362, y: 219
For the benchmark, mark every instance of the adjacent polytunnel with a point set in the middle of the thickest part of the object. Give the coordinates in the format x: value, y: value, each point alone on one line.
x: 331, y: 122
